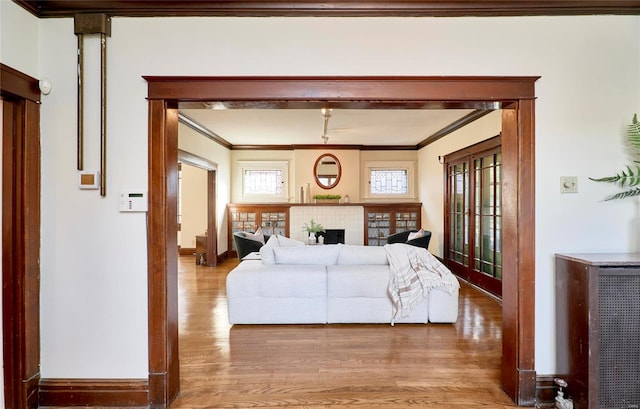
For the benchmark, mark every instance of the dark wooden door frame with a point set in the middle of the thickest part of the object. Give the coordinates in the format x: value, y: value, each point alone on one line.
x: 515, y: 95
x: 20, y: 237
x: 211, y: 168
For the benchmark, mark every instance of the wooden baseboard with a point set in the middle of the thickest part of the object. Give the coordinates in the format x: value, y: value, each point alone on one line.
x: 94, y: 392
x: 545, y: 391
x: 186, y: 251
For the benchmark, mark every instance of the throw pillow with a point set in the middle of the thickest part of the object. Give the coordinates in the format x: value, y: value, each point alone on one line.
x: 273, y: 241
x: 416, y: 235
x: 257, y: 236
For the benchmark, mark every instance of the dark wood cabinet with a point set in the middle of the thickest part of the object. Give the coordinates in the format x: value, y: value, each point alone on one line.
x: 272, y: 218
x: 598, y: 329
x: 382, y: 220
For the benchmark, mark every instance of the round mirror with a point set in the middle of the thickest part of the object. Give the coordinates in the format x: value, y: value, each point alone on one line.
x: 327, y: 171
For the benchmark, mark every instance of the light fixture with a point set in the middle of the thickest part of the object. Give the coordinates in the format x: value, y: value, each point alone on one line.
x: 326, y: 114
x: 218, y: 105
x: 45, y: 86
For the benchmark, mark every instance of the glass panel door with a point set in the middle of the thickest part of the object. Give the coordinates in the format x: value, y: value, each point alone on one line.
x: 459, y: 213
x: 488, y: 229
x: 473, y: 223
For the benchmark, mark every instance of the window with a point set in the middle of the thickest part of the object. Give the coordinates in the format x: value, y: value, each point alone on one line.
x: 390, y: 180
x: 264, y: 181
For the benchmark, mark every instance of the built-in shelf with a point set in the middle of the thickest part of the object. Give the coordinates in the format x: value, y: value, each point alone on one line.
x: 364, y: 223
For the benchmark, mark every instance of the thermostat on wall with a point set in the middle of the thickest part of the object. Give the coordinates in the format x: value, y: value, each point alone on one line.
x: 133, y: 202
x: 88, y: 180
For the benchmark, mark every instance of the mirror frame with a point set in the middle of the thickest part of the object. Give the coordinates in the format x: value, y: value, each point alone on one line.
x: 315, y: 171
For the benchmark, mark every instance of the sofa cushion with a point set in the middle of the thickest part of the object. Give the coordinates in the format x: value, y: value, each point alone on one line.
x: 322, y: 255
x: 253, y: 279
x: 351, y: 254
x: 277, y: 294
x: 352, y: 281
x: 281, y: 241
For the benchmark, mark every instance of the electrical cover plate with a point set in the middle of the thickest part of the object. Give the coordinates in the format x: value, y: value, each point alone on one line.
x: 568, y: 184
x: 132, y: 202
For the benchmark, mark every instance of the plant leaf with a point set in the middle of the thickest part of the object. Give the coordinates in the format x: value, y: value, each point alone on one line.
x: 625, y: 194
x: 608, y: 179
x: 633, y: 133
x: 625, y: 178
x: 629, y: 177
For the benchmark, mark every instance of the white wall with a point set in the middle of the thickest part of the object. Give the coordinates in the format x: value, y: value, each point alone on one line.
x: 19, y: 37
x: 93, y: 259
x: 194, y: 205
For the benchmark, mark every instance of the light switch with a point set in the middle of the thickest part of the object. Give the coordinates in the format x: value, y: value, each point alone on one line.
x: 568, y: 184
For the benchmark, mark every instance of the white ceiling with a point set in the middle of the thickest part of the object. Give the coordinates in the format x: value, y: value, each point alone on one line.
x: 305, y: 126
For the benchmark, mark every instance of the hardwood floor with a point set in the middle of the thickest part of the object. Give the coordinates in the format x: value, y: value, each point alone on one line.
x: 333, y: 366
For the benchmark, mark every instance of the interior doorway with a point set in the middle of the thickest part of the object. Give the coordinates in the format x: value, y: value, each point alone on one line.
x: 514, y: 95
x: 211, y: 243
x: 20, y: 101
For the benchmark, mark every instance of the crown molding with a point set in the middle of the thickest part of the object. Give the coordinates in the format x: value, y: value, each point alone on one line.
x: 351, y: 8
x: 462, y: 122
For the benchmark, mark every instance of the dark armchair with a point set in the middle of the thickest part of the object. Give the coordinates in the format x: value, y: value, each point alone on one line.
x: 244, y: 245
x: 403, y: 236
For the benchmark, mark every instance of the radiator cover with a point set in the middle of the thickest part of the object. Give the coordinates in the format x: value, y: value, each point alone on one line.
x: 619, y: 318
x: 598, y: 329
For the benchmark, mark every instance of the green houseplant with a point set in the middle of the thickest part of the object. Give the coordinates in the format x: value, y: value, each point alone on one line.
x: 629, y: 178
x: 312, y: 227
x: 326, y: 197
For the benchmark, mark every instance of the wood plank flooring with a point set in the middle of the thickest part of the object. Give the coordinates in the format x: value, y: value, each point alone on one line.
x: 333, y: 366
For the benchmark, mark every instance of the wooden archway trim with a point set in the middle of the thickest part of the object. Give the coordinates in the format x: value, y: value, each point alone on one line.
x: 515, y: 95
x: 20, y: 237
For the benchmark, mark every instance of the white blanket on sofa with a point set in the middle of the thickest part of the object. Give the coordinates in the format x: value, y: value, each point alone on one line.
x: 413, y: 273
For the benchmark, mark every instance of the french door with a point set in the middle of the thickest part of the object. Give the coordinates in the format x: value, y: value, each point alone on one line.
x: 473, y: 216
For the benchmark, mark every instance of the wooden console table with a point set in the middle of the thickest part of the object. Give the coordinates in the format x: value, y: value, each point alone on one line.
x: 201, y: 250
x: 598, y: 327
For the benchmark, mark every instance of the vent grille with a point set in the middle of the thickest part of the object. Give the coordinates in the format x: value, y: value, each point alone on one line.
x: 619, y: 317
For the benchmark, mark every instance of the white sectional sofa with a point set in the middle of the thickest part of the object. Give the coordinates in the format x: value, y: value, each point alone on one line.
x: 324, y: 284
